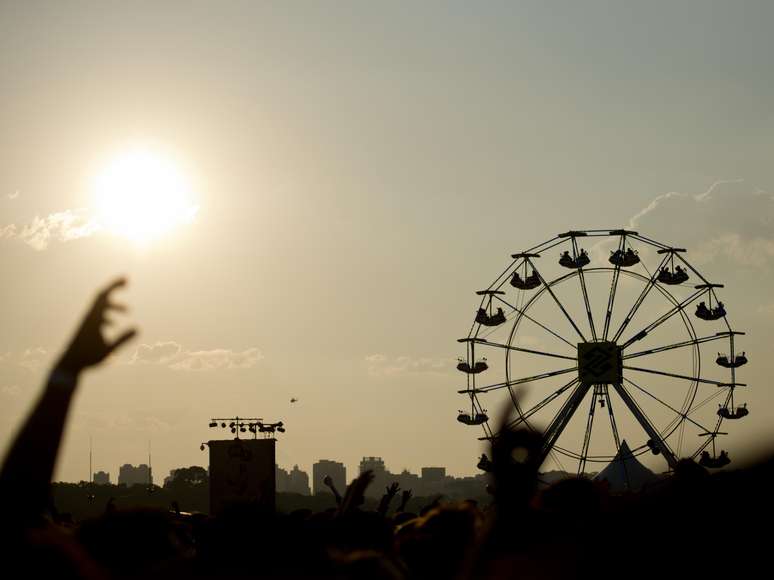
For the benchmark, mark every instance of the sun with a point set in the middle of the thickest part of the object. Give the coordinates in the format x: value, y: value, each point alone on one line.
x: 142, y: 195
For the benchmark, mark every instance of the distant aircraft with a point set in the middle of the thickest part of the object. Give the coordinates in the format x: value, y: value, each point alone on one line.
x: 294, y: 400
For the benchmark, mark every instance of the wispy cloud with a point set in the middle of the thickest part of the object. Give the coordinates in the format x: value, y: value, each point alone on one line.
x: 31, y: 359
x: 725, y: 221
x: 172, y: 355
x: 13, y: 195
x: 657, y: 201
x: 63, y: 226
x: 380, y: 365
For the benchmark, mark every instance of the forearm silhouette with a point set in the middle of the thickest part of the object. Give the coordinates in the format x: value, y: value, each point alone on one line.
x: 26, y: 473
x: 389, y: 493
x: 405, y: 498
x: 328, y: 481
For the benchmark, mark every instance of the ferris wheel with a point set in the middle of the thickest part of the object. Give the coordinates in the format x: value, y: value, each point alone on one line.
x: 562, y: 340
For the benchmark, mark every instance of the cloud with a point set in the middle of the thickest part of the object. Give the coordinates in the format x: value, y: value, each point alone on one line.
x: 31, y: 359
x: 13, y: 195
x: 729, y: 221
x: 208, y: 360
x: 172, y: 355
x: 665, y: 197
x: 158, y: 353
x: 61, y: 226
x: 380, y: 365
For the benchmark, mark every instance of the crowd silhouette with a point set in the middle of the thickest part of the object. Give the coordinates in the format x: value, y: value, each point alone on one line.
x: 693, y: 524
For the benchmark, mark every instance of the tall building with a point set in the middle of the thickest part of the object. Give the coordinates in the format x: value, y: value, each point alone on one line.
x: 242, y: 471
x: 381, y: 475
x: 298, y: 481
x: 334, y: 469
x: 101, y: 478
x: 431, y: 474
x: 130, y: 475
x: 375, y: 464
x: 282, y: 478
x: 406, y: 480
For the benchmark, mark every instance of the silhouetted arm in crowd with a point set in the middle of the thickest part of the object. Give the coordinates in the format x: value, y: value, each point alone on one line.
x: 26, y: 473
x: 329, y: 484
x: 389, y: 493
x: 405, y: 498
x: 355, y: 495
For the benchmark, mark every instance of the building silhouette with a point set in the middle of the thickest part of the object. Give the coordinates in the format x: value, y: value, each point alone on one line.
x: 101, y: 478
x: 375, y: 464
x: 430, y: 474
x: 335, y: 470
x: 130, y: 475
x: 299, y: 481
x: 282, y: 478
x: 433, y: 480
x: 293, y: 481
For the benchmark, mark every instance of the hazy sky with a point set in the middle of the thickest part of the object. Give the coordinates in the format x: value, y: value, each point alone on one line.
x: 359, y: 170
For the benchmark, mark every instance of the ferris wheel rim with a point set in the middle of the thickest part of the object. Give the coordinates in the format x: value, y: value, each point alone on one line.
x: 692, y: 388
x: 672, y: 253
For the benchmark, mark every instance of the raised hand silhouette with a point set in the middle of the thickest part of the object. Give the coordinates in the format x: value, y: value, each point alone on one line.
x: 328, y: 481
x: 25, y: 482
x: 88, y: 346
x: 389, y: 492
x: 355, y: 494
x: 404, y: 499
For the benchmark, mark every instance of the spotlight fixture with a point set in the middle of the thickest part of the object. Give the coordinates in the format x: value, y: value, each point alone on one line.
x: 254, y: 425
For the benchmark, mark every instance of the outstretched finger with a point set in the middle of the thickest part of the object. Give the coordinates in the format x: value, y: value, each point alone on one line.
x: 125, y: 337
x: 114, y: 285
x: 116, y: 306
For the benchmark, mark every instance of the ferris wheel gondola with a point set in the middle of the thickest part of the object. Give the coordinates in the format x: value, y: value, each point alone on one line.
x: 591, y: 353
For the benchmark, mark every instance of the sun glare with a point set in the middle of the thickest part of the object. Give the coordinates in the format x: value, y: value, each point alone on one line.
x: 142, y: 195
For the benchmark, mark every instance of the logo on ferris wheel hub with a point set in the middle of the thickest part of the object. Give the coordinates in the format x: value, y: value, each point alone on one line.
x: 599, y: 363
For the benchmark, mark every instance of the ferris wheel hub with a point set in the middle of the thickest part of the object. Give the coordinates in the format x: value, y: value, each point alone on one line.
x: 600, y: 363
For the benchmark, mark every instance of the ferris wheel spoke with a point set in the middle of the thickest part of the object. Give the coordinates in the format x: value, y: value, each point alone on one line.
x: 640, y: 299
x: 651, y: 431
x: 614, y: 429
x: 515, y: 382
x: 485, y: 342
x: 684, y: 377
x: 611, y: 301
x: 667, y: 405
x: 613, y: 289
x: 558, y: 303
x: 585, y: 292
x: 664, y: 317
x: 541, y: 325
x: 700, y: 340
x: 527, y: 414
x: 561, y: 420
x: 587, y: 434
x: 613, y: 424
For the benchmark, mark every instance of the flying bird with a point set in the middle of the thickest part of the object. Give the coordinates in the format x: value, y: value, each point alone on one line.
x: 293, y: 400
